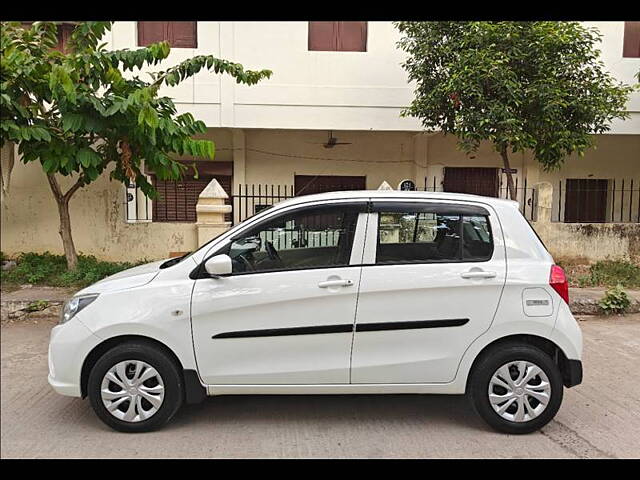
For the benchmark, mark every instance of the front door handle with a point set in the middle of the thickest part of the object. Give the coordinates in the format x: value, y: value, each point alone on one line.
x: 335, y: 283
x: 478, y: 274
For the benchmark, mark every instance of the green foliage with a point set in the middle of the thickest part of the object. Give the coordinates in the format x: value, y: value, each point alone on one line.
x: 520, y: 85
x: 51, y: 270
x: 612, y: 272
x: 615, y: 300
x: 37, y: 306
x: 76, y: 113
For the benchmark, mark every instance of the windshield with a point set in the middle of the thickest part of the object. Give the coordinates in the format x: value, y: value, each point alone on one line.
x: 174, y: 261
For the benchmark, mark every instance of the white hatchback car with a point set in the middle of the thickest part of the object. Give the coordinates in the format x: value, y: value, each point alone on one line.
x: 339, y: 293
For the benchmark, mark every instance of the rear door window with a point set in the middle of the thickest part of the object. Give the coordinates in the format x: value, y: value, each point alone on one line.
x: 436, y: 236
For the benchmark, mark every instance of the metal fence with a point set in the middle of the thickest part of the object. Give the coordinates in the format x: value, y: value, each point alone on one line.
x: 597, y: 201
x: 525, y: 194
x: 252, y: 199
x: 137, y: 206
x: 574, y: 200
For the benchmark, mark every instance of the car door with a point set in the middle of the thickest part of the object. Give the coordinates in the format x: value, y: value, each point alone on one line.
x: 432, y: 280
x: 286, y: 313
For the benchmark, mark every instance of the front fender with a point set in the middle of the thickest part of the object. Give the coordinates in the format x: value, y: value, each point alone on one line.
x: 159, y: 310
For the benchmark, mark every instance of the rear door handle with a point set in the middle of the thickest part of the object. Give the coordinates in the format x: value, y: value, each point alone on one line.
x: 478, y: 274
x: 335, y: 283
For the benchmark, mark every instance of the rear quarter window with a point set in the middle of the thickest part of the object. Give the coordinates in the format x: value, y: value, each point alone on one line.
x: 477, y: 240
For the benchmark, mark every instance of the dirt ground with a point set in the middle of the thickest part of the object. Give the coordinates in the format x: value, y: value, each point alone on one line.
x: 598, y: 419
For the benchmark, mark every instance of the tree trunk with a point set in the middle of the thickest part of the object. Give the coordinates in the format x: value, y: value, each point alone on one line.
x: 65, y: 233
x: 510, y: 186
x: 65, y: 220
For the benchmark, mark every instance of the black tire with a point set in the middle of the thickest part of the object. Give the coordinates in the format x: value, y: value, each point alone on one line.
x: 490, y: 362
x: 155, y: 357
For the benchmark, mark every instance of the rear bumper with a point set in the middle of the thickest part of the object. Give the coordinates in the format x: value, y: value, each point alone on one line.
x: 572, y: 373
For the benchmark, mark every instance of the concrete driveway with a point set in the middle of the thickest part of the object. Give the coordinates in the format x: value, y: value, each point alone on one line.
x: 600, y: 418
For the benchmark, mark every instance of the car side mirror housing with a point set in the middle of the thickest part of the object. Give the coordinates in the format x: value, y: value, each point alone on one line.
x: 218, y: 265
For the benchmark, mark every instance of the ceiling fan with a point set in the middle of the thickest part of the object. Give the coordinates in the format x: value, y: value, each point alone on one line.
x: 331, y: 141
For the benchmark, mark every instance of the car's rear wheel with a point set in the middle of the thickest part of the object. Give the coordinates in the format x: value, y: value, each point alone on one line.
x: 135, y: 387
x: 516, y: 388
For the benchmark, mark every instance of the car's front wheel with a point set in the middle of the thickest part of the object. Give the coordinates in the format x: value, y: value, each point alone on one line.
x: 135, y: 387
x: 516, y: 388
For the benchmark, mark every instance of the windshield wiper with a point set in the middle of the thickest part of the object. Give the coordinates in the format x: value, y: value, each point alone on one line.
x: 173, y: 261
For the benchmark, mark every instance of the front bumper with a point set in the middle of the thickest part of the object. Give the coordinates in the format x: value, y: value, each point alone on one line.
x: 69, y: 345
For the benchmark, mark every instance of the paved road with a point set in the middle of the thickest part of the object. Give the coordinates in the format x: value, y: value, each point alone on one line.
x: 600, y: 418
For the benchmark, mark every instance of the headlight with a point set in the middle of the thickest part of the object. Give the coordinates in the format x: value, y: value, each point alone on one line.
x: 74, y: 305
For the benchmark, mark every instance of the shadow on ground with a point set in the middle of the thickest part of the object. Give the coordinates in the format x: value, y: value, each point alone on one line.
x: 256, y: 409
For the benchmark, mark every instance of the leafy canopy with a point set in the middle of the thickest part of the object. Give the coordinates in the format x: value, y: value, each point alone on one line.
x: 75, y: 111
x: 523, y: 85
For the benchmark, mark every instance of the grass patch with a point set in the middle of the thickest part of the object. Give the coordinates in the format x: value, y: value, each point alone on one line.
x: 615, y: 300
x: 606, y: 273
x: 51, y: 270
x: 37, y: 306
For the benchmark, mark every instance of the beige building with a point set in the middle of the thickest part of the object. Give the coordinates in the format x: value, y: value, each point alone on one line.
x: 328, y: 119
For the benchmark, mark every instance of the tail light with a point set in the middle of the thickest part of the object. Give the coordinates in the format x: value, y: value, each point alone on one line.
x: 558, y: 281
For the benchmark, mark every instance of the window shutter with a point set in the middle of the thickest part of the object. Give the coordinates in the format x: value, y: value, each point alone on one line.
x: 631, y: 46
x: 323, y: 36
x: 152, y: 32
x: 64, y: 33
x: 352, y: 36
x: 178, y: 198
x: 183, y: 34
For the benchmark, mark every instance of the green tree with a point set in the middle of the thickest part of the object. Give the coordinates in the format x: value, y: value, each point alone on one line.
x: 536, y: 86
x: 77, y: 114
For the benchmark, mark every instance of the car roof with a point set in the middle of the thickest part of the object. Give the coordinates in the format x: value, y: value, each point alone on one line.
x: 394, y: 194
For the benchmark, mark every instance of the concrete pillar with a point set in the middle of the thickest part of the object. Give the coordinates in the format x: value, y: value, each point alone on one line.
x: 239, y: 156
x: 544, y: 202
x: 210, y: 211
x: 227, y: 82
x: 420, y: 158
x: 239, y: 163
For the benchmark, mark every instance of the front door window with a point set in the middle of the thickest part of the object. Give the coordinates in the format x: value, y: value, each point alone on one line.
x: 308, y: 238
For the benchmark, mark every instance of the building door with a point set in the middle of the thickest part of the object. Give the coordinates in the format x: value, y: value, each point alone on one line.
x: 308, y: 184
x: 474, y: 180
x: 585, y: 200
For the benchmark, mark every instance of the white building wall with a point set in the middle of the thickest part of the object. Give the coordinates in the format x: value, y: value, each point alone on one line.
x: 322, y: 90
x: 624, y: 69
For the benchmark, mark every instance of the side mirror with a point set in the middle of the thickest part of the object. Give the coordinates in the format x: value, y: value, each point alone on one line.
x: 218, y: 265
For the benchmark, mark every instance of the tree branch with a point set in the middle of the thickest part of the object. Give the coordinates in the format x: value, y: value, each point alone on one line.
x: 74, y: 188
x: 57, y: 191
